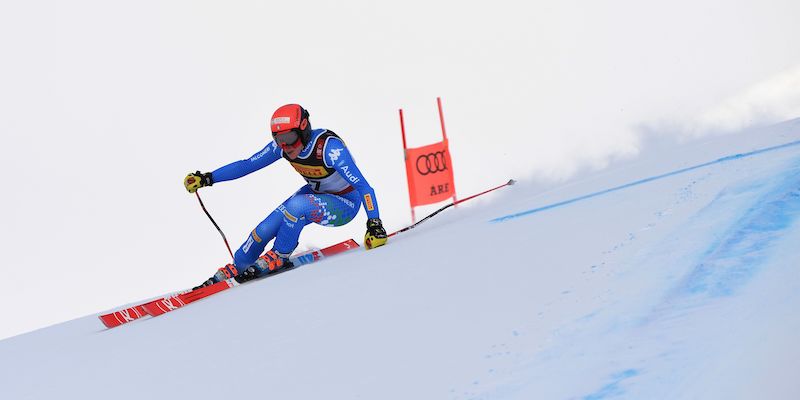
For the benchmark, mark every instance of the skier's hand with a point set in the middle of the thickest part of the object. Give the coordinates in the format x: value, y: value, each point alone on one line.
x: 196, y: 180
x: 376, y: 235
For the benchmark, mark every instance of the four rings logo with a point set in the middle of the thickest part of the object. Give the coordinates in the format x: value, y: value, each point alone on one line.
x: 431, y: 163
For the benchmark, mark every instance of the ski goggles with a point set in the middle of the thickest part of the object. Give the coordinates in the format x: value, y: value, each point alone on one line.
x: 286, y: 139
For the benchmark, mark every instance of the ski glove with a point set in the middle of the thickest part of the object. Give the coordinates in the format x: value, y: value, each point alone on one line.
x: 376, y: 235
x: 196, y: 180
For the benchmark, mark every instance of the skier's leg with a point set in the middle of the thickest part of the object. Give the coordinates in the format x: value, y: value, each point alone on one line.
x: 263, y: 233
x: 249, y: 251
x: 305, y: 208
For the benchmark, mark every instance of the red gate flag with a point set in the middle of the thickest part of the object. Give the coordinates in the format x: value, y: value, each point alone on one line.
x: 429, y: 169
x: 430, y: 174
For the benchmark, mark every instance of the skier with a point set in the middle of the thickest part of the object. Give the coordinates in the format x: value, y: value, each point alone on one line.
x: 333, y: 194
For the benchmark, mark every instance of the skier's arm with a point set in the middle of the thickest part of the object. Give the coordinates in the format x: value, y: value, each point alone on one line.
x: 343, y: 161
x: 337, y: 156
x: 238, y: 169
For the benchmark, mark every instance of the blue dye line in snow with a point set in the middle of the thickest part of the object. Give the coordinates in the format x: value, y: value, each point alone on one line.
x: 613, y: 389
x: 733, y: 260
x: 642, y: 181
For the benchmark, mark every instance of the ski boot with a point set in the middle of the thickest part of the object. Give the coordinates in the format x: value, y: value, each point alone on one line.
x: 270, y: 262
x: 226, y: 272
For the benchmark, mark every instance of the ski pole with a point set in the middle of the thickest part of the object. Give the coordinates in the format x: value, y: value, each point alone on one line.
x: 509, y: 183
x: 215, y: 225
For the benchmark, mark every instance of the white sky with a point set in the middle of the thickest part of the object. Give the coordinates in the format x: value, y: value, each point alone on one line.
x: 106, y: 105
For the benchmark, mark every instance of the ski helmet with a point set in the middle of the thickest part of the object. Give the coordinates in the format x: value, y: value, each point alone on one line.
x: 289, y: 123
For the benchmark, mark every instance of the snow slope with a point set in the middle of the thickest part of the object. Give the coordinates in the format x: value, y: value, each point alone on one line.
x: 674, y: 276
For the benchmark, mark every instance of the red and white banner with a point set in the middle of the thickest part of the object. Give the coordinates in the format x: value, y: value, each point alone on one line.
x: 429, y: 169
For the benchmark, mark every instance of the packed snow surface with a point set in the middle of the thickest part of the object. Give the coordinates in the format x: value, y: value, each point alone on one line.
x: 673, y: 276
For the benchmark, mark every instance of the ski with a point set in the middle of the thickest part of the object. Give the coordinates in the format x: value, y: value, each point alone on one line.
x: 123, y: 316
x: 177, y: 300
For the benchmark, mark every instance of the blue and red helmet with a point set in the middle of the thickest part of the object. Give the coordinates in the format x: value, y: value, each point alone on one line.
x: 289, y: 124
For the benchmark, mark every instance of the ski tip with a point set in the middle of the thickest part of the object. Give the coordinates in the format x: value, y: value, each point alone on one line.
x: 511, y: 182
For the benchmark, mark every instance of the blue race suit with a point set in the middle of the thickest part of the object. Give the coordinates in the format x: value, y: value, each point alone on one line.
x: 332, y: 197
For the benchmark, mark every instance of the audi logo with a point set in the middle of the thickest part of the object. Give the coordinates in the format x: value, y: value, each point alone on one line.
x: 431, y: 163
